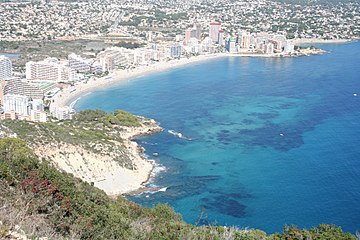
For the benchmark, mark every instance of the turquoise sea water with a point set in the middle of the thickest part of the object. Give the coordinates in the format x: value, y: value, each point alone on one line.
x: 274, y: 141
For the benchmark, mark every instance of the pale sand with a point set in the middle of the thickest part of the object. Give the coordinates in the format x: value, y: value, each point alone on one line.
x: 104, y: 172
x: 101, y: 169
x: 65, y: 97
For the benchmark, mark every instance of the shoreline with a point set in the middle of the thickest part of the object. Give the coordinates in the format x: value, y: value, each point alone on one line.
x: 319, y: 41
x: 64, y: 97
x: 104, y: 171
x: 69, y: 97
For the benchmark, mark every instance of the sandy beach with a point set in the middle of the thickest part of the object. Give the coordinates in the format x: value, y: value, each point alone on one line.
x: 104, y: 173
x: 102, y: 169
x: 66, y: 97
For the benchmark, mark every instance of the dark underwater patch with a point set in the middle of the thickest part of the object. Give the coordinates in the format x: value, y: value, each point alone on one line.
x: 222, y: 204
x: 247, y: 121
x: 287, y: 105
x: 272, y: 135
x: 265, y: 116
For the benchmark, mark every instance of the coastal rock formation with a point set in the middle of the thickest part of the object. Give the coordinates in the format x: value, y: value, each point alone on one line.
x: 104, y: 156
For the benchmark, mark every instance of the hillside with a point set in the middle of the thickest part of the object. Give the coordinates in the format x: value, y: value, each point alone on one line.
x: 37, y: 200
x: 95, y: 146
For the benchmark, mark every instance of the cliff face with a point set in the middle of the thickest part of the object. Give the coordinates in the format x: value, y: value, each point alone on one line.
x: 39, y: 202
x: 102, y: 155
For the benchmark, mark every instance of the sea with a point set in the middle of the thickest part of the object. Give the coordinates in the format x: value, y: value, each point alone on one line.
x: 265, y: 142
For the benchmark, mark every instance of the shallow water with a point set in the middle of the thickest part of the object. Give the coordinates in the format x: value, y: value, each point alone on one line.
x: 274, y: 141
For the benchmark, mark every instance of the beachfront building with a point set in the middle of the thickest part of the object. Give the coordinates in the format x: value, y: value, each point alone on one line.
x: 17, y: 103
x: 289, y: 48
x: 198, y: 30
x: 244, y: 40
x: 207, y: 45
x: 62, y: 113
x: 16, y: 86
x: 194, y: 32
x: 38, y: 116
x: 175, y: 51
x: 221, y: 37
x: 111, y: 58
x: 23, y: 108
x: 119, y: 58
x: 188, y: 34
x: 269, y: 48
x: 231, y: 45
x: 50, y: 69
x: 214, y: 30
x: 5, y: 68
x: 144, y: 56
x: 78, y: 64
x: 193, y: 47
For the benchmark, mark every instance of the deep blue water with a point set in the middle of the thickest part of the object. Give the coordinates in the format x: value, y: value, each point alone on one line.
x: 275, y: 141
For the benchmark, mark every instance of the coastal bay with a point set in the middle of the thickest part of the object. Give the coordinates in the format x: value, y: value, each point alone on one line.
x: 238, y: 168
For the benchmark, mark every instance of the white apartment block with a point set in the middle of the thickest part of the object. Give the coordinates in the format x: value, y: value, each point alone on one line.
x: 16, y: 86
x: 16, y: 103
x: 62, y: 113
x: 38, y: 116
x: 5, y: 68
x: 50, y: 70
x: 79, y: 64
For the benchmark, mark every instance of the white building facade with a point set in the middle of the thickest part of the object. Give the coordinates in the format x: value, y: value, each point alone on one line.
x: 5, y: 68
x: 50, y: 70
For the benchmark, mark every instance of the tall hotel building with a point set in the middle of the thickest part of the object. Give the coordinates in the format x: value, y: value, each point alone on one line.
x: 5, y: 68
x: 78, y: 64
x: 214, y: 31
x: 49, y: 69
x: 16, y: 103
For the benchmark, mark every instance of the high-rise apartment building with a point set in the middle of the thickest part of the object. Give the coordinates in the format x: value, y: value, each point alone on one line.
x: 245, y: 40
x: 214, y: 31
x: 221, y: 37
x: 16, y: 86
x: 78, y: 64
x: 5, y: 67
x: 188, y: 34
x: 16, y: 103
x: 49, y: 69
x: 175, y: 51
x: 231, y: 45
x: 198, y: 31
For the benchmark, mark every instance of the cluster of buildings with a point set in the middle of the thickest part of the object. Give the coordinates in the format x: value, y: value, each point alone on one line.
x: 63, y: 19
x: 18, y: 98
x: 260, y: 43
x: 25, y: 98
x: 243, y: 42
x: 119, y: 57
x: 54, y: 70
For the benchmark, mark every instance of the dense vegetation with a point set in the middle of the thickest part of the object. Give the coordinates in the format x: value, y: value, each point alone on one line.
x: 129, y: 45
x: 46, y: 202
